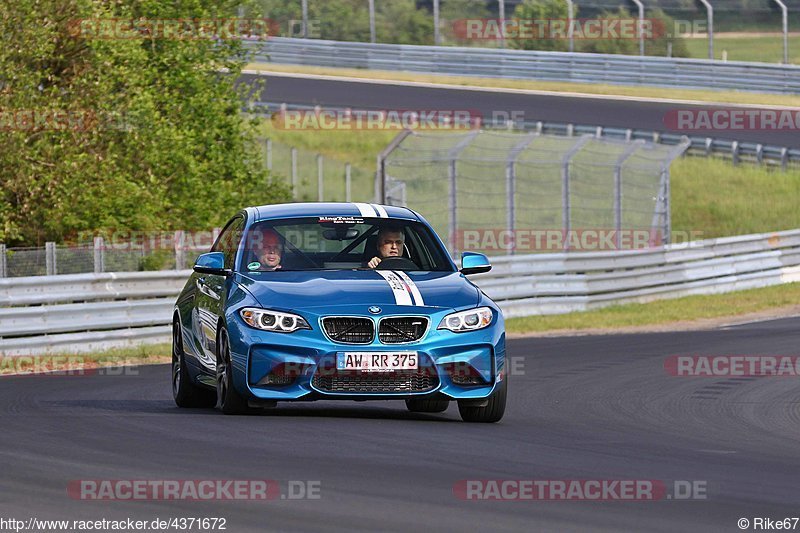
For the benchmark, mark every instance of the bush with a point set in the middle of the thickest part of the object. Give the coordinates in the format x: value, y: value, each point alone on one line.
x: 163, y: 144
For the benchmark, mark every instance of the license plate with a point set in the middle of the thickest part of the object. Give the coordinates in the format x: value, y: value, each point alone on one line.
x: 377, y: 361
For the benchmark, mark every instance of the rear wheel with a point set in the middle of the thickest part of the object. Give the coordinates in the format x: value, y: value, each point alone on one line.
x: 184, y: 392
x: 228, y: 399
x: 491, y: 412
x: 427, y: 406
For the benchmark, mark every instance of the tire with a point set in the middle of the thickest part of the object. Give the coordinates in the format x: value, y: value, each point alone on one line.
x: 184, y: 392
x: 427, y: 406
x: 228, y: 399
x: 492, y: 412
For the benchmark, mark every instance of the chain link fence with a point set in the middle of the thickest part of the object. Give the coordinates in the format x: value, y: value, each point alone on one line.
x: 315, y: 178
x: 147, y: 251
x: 505, y: 192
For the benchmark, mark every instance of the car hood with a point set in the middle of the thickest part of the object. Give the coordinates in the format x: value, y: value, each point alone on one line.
x: 324, y: 289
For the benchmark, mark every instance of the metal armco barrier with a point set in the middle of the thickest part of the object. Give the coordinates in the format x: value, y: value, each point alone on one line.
x: 533, y: 65
x: 90, y: 312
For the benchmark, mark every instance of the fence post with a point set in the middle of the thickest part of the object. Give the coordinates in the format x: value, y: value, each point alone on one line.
x: 710, y: 11
x: 50, y: 258
x: 320, y: 179
x: 3, y: 264
x: 99, y: 255
x: 180, y: 252
x: 294, y: 172
x: 618, y: 189
x: 372, y: 36
x: 565, y: 188
x: 452, y: 203
x: 436, y: 37
x: 347, y: 183
x: 501, y: 8
x: 304, y: 9
x: 511, y: 186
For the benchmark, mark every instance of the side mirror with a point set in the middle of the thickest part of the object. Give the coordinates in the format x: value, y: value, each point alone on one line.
x: 473, y: 263
x: 211, y: 263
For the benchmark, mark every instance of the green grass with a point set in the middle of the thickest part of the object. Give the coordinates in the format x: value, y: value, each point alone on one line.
x: 137, y: 355
x: 712, y: 196
x: 765, y: 48
x: 689, y: 308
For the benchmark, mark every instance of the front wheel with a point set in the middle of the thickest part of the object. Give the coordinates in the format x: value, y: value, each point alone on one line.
x: 493, y: 410
x: 184, y: 392
x: 228, y: 399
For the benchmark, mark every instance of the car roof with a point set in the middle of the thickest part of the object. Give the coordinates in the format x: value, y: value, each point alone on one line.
x: 346, y: 209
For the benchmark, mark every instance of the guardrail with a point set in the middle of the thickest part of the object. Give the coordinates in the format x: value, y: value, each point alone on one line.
x: 530, y: 64
x: 90, y: 312
x: 736, y: 151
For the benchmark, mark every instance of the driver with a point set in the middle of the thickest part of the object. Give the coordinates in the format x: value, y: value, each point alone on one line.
x: 390, y: 244
x: 267, y: 246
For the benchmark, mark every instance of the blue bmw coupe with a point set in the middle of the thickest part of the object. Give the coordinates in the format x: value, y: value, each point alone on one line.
x: 337, y: 301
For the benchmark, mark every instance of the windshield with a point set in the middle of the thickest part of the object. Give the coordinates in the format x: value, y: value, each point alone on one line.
x: 341, y: 243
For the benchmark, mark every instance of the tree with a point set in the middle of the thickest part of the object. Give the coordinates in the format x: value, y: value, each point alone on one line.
x: 542, y: 10
x: 154, y: 139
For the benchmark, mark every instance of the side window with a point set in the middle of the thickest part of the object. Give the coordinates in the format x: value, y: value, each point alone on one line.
x: 228, y: 241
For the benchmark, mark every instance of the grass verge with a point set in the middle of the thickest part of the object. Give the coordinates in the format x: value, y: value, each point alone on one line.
x: 763, y: 48
x: 729, y: 97
x: 676, y: 311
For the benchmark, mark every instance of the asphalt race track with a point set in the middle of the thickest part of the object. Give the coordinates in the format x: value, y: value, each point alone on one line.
x: 565, y: 109
x: 587, y: 407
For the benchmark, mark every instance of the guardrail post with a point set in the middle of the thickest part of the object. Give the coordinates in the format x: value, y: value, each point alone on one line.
x: 3, y: 264
x: 294, y: 172
x: 735, y: 152
x: 347, y: 183
x: 320, y: 179
x: 99, y: 255
x: 180, y: 252
x: 50, y: 258
x: 784, y: 158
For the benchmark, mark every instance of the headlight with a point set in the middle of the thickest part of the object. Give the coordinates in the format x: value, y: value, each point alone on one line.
x: 467, y: 320
x: 273, y: 320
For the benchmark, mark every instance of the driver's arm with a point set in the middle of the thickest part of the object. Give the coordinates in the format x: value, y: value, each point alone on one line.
x: 374, y: 262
